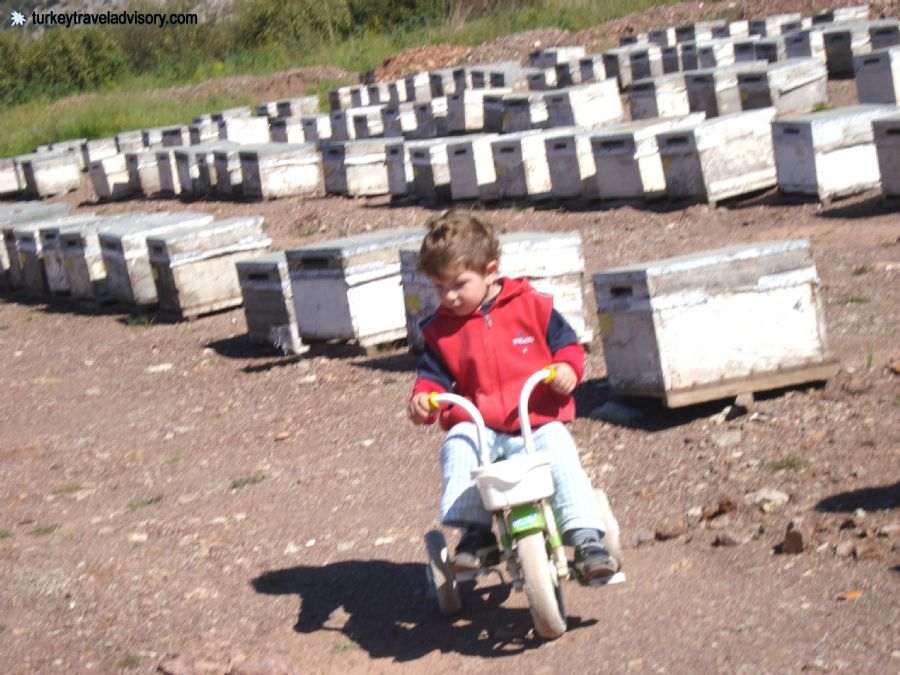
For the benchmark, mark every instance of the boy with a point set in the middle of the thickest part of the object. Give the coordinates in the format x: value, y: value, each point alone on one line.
x: 488, y: 335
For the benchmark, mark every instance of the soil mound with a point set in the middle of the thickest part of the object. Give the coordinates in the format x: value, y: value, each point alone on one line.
x: 432, y: 57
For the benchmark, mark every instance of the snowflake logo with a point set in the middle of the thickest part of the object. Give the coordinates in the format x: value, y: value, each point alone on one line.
x: 16, y: 19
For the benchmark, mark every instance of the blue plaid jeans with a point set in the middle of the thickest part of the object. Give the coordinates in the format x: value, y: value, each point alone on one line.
x: 574, y: 503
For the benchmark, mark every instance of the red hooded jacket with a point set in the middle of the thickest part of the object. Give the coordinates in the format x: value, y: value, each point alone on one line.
x: 490, y: 355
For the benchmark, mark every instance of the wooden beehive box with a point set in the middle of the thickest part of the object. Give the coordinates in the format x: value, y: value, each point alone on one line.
x: 349, y: 289
x: 884, y: 33
x: 550, y: 56
x: 842, y: 42
x: 721, y: 157
x: 523, y: 112
x: 541, y: 79
x: 775, y: 24
x: 792, y: 87
x: 715, y: 92
x: 584, y: 105
x: 123, y: 246
x: 129, y: 141
x: 14, y: 214
x: 110, y: 178
x: 29, y: 251
x: 466, y: 109
x: 399, y: 120
x: 701, y: 30
x: 175, y: 136
x: 97, y: 149
x: 204, y: 132
x: 401, y: 181
x: 590, y: 69
x: 143, y: 172
x: 380, y: 93
x: 281, y: 170
x: 196, y: 167
x: 732, y: 29
x: 297, y: 106
x: 418, y: 87
x: 169, y: 182
x: 51, y: 243
x: 854, y: 13
x: 194, y: 265
x: 663, y: 96
x: 571, y: 162
x: 431, y: 118
x: 11, y: 179
x: 244, y: 130
x: 268, y: 300
x: 745, y: 49
x: 49, y: 174
x: 552, y: 261
x: 339, y: 98
x: 714, y: 324
x: 228, y: 113
x: 771, y: 49
x: 664, y: 37
x: 83, y: 261
x: 342, y: 128
x: 633, y: 62
x: 671, y: 59
x: 471, y: 165
x: 316, y: 127
x: 716, y: 53
x: 366, y: 121
x: 501, y: 74
x: 627, y: 159
x: 878, y: 76
x: 886, y: 132
x: 287, y: 130
x: 522, y: 166
x: 229, y: 176
x: 805, y: 44
x: 431, y: 172
x: 830, y: 153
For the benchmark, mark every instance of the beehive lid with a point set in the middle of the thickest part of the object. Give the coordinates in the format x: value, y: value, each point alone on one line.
x: 50, y: 224
x: 194, y: 242
x: 202, y: 148
x: 372, y: 250
x: 25, y: 211
x: 270, y: 150
x: 755, y: 266
x: 640, y: 129
x: 795, y: 72
x: 540, y: 254
x: 85, y: 224
x: 837, y: 127
x: 654, y: 84
x: 267, y: 261
x: 132, y: 230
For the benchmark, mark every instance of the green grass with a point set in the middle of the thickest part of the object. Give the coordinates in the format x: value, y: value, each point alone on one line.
x: 5, y: 534
x: 247, y: 480
x: 127, y: 662
x: 819, y: 107
x: 140, y: 503
x: 859, y: 271
x: 70, y: 489
x: 788, y: 463
x: 345, y: 646
x: 45, y: 529
x: 853, y: 300
x: 140, y: 320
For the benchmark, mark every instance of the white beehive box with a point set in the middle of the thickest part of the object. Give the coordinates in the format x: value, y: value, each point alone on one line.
x: 418, y: 87
x: 886, y: 132
x: 522, y: 166
x: 129, y: 141
x: 297, y: 106
x: 143, y: 172
x: 316, y: 127
x: 380, y: 93
x: 196, y: 167
x: 398, y: 120
x: 281, y: 170
x: 398, y: 90
x: 721, y: 157
x: 12, y: 215
x: 96, y: 149
x: 110, y: 178
x: 339, y: 98
x: 27, y: 243
x: 287, y: 130
x: 553, y: 262
x: 349, y: 289
x: 715, y: 92
x: 633, y: 62
x: 49, y: 174
x: 471, y: 165
x: 229, y: 181
x: 169, y: 181
x: 399, y: 169
x: 431, y: 172
x: 204, y: 132
x: 228, y: 113
x: 805, y: 44
x: 584, y: 105
x: 462, y: 78
x: 83, y: 261
x: 571, y: 163
x: 466, y: 109
x: 367, y: 122
x: 773, y: 25
x: 523, y: 112
x: 771, y: 49
x: 664, y: 37
x: 854, y: 13
x: 431, y: 118
x: 878, y: 76
x: 502, y: 74
x: 882, y: 34
x: 732, y: 29
x: 74, y: 146
x: 663, y: 96
x: 51, y: 242
x: 194, y: 265
x: 342, y: 128
x: 792, y: 87
x: 714, y: 324
x: 11, y: 179
x: 357, y: 168
x: 244, y: 130
x: 829, y: 153
x: 442, y: 82
x: 716, y: 53
x: 268, y: 300
x: 627, y: 159
x: 550, y: 56
x: 590, y: 69
x: 701, y: 30
x: 123, y: 246
x: 671, y: 59
x: 175, y: 136
x: 269, y: 109
x: 690, y: 58
x: 541, y: 79
x: 842, y: 42
x: 745, y: 49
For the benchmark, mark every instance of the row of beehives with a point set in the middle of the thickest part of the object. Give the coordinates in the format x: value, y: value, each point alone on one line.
x: 182, y: 262
x: 826, y: 154
x: 698, y: 327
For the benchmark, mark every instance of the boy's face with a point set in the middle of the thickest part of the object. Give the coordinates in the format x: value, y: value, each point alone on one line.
x: 462, y: 291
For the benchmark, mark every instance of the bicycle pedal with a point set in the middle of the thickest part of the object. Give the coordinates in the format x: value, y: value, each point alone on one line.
x: 617, y: 578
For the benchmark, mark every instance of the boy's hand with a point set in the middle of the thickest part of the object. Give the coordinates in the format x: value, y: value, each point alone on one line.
x: 565, y: 380
x: 419, y: 408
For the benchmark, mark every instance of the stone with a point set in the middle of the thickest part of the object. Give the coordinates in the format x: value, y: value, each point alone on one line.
x: 723, y: 506
x: 726, y: 439
x: 796, y: 537
x: 264, y: 665
x: 670, y: 529
x: 867, y: 549
x: 728, y: 539
x: 643, y: 537
x: 845, y: 549
x: 891, y: 530
x: 767, y: 495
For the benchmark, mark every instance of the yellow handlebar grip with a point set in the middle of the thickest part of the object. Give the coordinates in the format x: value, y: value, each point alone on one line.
x: 432, y: 400
x: 551, y: 376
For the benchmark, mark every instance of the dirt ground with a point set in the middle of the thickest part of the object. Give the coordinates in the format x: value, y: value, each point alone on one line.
x: 174, y: 499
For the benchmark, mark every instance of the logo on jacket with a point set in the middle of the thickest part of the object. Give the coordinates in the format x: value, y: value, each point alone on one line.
x: 521, y: 339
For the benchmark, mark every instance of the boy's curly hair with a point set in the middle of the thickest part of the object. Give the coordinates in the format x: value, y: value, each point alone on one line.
x: 456, y: 240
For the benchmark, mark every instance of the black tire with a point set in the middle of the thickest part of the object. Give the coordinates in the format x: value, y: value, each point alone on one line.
x: 541, y: 586
x: 440, y: 572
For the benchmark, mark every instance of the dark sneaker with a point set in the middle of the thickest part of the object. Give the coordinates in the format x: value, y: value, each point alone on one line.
x: 593, y: 561
x: 478, y: 548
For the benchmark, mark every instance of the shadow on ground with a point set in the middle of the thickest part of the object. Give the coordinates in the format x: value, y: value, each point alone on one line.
x: 869, y: 499
x: 390, y: 615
